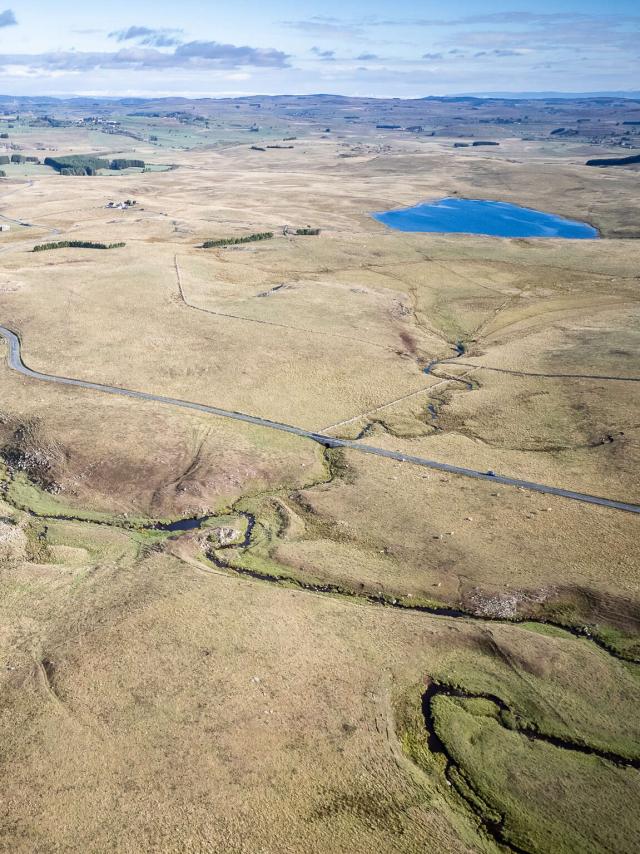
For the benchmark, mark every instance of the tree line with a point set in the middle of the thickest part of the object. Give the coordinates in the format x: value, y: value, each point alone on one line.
x: 233, y: 241
x: 614, y: 161
x: 76, y: 244
x: 17, y: 158
x: 83, y: 164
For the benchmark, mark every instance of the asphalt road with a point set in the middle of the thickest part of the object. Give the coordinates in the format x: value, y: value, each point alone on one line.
x: 15, y: 363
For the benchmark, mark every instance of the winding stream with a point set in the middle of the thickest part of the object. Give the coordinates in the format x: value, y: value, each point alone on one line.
x: 496, y: 828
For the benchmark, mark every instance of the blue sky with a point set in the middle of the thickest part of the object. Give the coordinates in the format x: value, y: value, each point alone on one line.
x: 402, y: 48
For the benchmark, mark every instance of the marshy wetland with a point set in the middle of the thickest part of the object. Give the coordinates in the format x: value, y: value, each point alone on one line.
x: 220, y: 636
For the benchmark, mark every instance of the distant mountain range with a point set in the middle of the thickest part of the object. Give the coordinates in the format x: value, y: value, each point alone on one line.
x: 80, y: 101
x: 632, y: 94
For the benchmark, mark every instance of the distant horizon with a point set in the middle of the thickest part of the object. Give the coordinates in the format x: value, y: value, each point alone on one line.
x: 631, y: 94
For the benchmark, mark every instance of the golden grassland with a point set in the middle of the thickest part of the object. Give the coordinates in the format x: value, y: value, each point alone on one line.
x: 160, y: 694
x: 150, y: 705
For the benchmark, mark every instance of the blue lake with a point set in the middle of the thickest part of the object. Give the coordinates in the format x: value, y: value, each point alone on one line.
x: 478, y: 216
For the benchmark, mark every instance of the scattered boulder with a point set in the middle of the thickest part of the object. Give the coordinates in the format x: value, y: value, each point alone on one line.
x: 225, y: 536
x: 29, y: 450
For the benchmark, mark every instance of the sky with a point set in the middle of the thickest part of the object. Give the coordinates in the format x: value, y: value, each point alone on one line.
x: 404, y: 48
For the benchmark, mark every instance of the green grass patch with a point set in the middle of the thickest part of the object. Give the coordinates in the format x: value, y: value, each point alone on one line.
x: 101, y: 543
x: 550, y: 799
x: 544, y: 629
x: 253, y: 563
x: 24, y: 495
x: 412, y: 733
x: 586, y: 697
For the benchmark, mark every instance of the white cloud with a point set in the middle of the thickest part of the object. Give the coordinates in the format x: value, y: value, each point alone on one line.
x: 7, y: 18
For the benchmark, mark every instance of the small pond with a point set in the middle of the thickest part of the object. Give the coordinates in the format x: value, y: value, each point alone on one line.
x: 479, y: 216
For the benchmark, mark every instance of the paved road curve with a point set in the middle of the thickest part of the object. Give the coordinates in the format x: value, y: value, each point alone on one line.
x: 16, y: 364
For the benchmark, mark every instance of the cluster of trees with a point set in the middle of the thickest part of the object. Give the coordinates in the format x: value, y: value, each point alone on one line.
x: 233, y: 241
x: 84, y: 164
x: 303, y: 232
x: 76, y: 164
x: 180, y: 115
x: 17, y: 158
x: 76, y: 244
x: 123, y: 163
x: 49, y: 121
x: 614, y: 161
